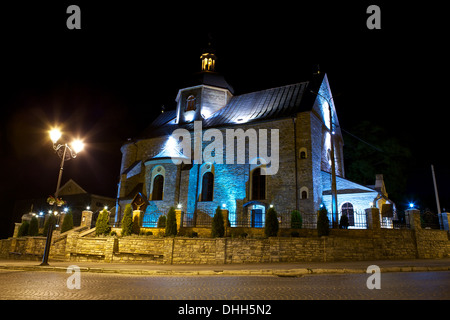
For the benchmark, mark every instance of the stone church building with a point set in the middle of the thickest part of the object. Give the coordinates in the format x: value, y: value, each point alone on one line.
x: 156, y: 174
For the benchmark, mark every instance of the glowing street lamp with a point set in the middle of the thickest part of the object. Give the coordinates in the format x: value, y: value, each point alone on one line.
x: 65, y: 152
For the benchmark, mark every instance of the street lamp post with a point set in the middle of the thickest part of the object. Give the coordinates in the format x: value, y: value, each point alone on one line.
x: 334, y: 202
x: 66, y: 152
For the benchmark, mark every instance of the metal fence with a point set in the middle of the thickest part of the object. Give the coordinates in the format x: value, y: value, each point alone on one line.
x: 202, y: 220
x: 399, y: 220
x: 429, y: 220
x: 150, y: 221
x: 356, y: 219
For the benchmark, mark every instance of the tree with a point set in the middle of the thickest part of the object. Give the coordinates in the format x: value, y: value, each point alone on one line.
x: 296, y: 220
x: 67, y: 222
x: 218, y: 229
x: 127, y: 221
x: 33, y: 229
x: 102, y: 223
x: 369, y: 150
x: 161, y: 221
x: 271, y: 227
x: 323, y: 227
x: 171, y: 223
x: 343, y: 223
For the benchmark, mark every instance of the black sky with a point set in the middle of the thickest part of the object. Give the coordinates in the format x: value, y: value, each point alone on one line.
x: 108, y: 81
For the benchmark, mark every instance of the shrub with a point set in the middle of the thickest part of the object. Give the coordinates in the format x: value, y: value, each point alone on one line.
x: 113, y: 233
x: 271, y: 227
x: 171, y: 223
x: 23, y: 229
x: 323, y: 227
x: 127, y: 221
x: 296, y: 220
x: 102, y: 223
x: 218, y: 229
x: 67, y: 222
x: 33, y: 229
x: 343, y: 223
x: 161, y: 221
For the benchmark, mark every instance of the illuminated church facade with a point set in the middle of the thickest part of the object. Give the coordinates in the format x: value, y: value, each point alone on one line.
x: 158, y: 172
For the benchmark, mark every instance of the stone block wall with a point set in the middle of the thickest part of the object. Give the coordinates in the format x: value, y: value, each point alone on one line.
x: 340, y: 245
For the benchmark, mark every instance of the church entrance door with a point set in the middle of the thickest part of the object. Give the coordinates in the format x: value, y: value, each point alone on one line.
x: 257, y: 218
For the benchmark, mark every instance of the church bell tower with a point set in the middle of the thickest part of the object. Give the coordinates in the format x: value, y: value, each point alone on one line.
x: 206, y: 93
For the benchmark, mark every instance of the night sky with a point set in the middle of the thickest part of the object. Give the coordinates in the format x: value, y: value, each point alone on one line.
x: 106, y: 82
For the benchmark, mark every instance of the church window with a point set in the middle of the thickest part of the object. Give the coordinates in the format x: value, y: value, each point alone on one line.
x: 158, y: 187
x: 190, y: 103
x: 207, y: 187
x: 258, y: 185
x: 303, y: 153
x: 347, y: 209
x: 303, y: 193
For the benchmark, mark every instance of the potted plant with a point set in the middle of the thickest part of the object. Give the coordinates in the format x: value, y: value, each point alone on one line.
x: 51, y: 200
x: 60, y: 202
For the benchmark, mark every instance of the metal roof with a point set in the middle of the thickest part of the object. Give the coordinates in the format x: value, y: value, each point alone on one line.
x: 246, y: 108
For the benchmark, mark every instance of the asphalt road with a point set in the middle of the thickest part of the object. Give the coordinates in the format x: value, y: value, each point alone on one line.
x: 53, y: 285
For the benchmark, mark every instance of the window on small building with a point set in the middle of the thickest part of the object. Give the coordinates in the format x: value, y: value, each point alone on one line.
x: 158, y: 186
x: 258, y: 185
x: 347, y: 209
x: 207, y: 187
x: 190, y: 103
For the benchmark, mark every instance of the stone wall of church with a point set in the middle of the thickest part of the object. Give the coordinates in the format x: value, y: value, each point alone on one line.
x: 232, y: 181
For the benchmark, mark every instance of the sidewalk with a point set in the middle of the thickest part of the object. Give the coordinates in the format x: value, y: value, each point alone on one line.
x: 278, y: 269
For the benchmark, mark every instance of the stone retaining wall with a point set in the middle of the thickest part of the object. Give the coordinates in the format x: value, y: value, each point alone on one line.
x: 340, y: 245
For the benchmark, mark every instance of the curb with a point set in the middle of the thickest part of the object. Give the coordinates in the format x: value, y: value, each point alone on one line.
x: 256, y: 272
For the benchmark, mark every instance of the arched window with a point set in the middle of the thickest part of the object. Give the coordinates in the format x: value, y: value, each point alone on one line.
x: 303, y: 153
x: 347, y: 209
x: 207, y: 187
x: 158, y: 187
x: 190, y: 104
x: 304, y: 193
x: 258, y: 185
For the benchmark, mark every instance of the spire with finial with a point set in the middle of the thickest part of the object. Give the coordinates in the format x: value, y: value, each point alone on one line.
x: 208, y: 56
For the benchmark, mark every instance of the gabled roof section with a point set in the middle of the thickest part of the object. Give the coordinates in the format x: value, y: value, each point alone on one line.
x: 70, y: 188
x: 251, y: 107
x: 343, y: 185
x: 260, y: 105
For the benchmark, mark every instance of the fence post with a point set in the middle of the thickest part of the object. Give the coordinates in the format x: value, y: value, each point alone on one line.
x: 179, y: 218
x: 373, y: 218
x: 414, y: 219
x: 225, y: 220
x: 86, y: 218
